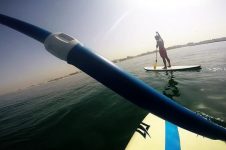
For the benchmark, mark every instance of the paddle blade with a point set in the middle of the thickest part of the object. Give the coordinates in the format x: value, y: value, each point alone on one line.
x: 155, y: 65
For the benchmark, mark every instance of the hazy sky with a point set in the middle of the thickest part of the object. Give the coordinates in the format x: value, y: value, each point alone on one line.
x: 113, y: 28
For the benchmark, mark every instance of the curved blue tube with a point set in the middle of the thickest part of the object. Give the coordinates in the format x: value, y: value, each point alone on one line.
x: 131, y: 88
x: 26, y: 28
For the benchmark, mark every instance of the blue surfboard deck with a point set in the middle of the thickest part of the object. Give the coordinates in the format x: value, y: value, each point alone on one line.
x: 158, y: 134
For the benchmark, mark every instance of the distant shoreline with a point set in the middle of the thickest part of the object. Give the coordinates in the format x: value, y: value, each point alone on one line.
x: 55, y: 79
x: 173, y: 47
x: 34, y: 85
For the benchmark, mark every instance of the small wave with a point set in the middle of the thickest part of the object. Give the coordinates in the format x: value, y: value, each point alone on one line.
x: 215, y: 97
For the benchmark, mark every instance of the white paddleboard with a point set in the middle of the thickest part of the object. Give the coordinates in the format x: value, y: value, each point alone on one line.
x: 157, y: 134
x: 173, y: 68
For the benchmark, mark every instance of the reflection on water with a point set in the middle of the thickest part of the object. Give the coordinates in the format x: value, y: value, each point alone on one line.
x: 171, y: 90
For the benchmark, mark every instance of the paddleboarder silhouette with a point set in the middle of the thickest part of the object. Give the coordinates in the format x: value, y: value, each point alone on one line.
x: 162, y: 50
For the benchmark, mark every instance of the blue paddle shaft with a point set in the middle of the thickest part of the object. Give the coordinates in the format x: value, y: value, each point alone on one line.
x: 104, y: 71
x: 30, y: 30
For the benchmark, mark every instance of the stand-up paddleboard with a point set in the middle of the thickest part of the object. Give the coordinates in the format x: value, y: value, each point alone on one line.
x: 173, y: 68
x: 157, y: 134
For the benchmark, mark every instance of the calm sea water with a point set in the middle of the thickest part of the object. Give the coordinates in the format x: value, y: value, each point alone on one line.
x: 79, y: 113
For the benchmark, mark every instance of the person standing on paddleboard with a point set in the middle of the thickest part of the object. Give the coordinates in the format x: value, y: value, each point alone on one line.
x: 162, y: 50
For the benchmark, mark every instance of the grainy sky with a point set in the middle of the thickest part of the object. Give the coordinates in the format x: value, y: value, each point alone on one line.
x: 113, y: 28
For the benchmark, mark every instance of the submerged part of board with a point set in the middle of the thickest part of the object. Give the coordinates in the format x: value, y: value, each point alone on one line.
x: 157, y: 134
x: 173, y: 68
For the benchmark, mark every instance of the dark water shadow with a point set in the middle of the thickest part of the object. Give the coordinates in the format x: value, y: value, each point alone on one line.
x: 171, y: 90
